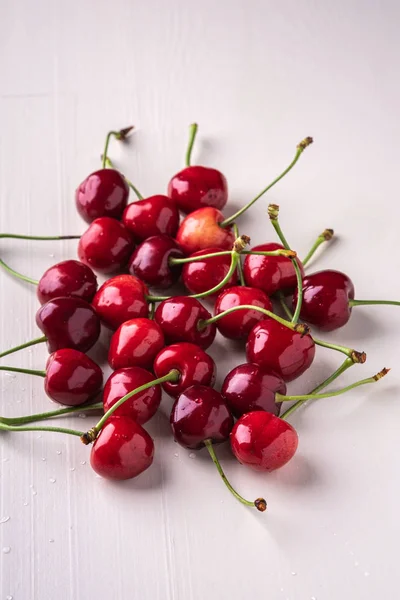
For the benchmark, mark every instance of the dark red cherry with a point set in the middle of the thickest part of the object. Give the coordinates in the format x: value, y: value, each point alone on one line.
x: 238, y: 324
x: 179, y: 318
x: 156, y: 215
x: 278, y: 349
x: 106, y: 245
x: 135, y: 344
x: 120, y: 299
x: 72, y: 378
x: 122, y: 450
x: 326, y: 296
x: 150, y: 261
x: 262, y: 441
x: 140, y: 407
x: 67, y: 278
x: 202, y: 275
x: 201, y: 230
x: 103, y: 193
x: 194, y: 365
x: 68, y: 323
x: 196, y: 187
x: 270, y: 273
x: 200, y: 413
x: 248, y: 387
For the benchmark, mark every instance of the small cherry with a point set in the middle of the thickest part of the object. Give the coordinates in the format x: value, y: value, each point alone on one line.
x: 201, y: 229
x: 135, y: 344
x: 120, y: 299
x: 106, y: 245
x: 237, y: 325
x: 156, y: 215
x: 67, y: 278
x: 150, y: 261
x: 179, y: 317
x: 270, y: 273
x: 140, y: 407
x: 202, y: 275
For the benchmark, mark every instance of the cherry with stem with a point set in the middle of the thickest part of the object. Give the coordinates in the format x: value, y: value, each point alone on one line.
x: 108, y: 164
x: 325, y: 236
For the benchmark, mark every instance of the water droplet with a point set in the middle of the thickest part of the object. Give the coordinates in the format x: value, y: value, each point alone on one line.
x: 335, y: 534
x: 313, y: 598
x: 6, y: 550
x: 38, y: 437
x: 83, y: 462
x: 356, y: 564
x: 4, y: 520
x: 9, y: 597
x: 44, y: 459
x: 72, y: 469
x: 366, y: 574
x: 51, y: 255
x: 22, y: 389
x: 192, y: 455
x: 176, y: 454
x: 31, y: 485
x: 26, y: 504
x: 82, y: 415
x: 59, y: 452
x: 51, y: 541
x: 6, y: 459
x: 293, y: 573
x: 34, y: 493
x: 52, y: 480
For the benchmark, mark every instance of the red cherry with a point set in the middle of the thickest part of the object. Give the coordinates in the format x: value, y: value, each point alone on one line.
x: 200, y: 413
x: 103, y: 193
x: 140, y: 407
x: 179, y: 316
x: 262, y: 441
x: 201, y: 230
x: 67, y: 278
x: 122, y: 450
x: 202, y: 275
x: 194, y: 365
x: 120, y: 299
x: 196, y: 187
x: 156, y: 215
x: 278, y: 349
x: 72, y: 378
x: 238, y: 324
x: 150, y: 261
x: 106, y: 245
x: 326, y: 296
x: 270, y: 273
x: 68, y: 323
x: 248, y: 387
x: 135, y: 344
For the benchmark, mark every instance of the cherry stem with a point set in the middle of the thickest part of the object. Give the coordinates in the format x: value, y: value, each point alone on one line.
x: 4, y: 427
x: 192, y: 136
x: 234, y: 262
x: 368, y: 302
x: 16, y: 236
x: 190, y: 259
x: 239, y: 264
x: 39, y: 340
x: 119, y: 135
x: 110, y: 165
x: 260, y: 503
x: 300, y: 148
x: 18, y: 275
x: 48, y: 415
x: 325, y: 236
x: 27, y: 371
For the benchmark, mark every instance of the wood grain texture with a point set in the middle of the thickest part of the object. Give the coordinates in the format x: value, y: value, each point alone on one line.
x: 258, y: 76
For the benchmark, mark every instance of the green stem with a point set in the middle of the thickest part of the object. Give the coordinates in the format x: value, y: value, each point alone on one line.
x: 192, y: 136
x: 48, y: 415
x: 371, y: 302
x: 234, y: 262
x: 300, y: 148
x: 324, y: 237
x: 16, y: 236
x: 22, y: 346
x: 153, y: 299
x: 27, y: 371
x: 182, y: 261
x: 285, y: 307
x: 18, y: 275
x: 293, y: 326
x: 109, y: 164
x: 4, y: 427
x: 120, y: 135
x: 260, y: 503
x: 239, y: 264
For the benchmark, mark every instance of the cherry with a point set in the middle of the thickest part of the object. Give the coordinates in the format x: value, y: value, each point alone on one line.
x: 248, y: 387
x: 120, y: 299
x: 106, y: 245
x: 140, y: 407
x: 262, y: 441
x: 67, y: 278
x: 201, y: 229
x: 179, y: 317
x: 122, y: 450
x: 277, y: 348
x: 202, y: 275
x: 103, y: 193
x: 155, y: 215
x: 135, y: 344
x: 150, y: 261
x: 270, y: 273
x: 193, y: 364
x: 238, y: 325
x: 200, y: 413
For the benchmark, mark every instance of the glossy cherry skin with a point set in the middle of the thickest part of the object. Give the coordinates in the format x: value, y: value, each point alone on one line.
x: 179, y: 317
x: 200, y: 413
x: 72, y: 378
x: 201, y: 230
x: 103, y: 193
x: 262, y: 441
x: 278, y: 349
x: 270, y: 273
x: 135, y: 344
x: 237, y: 325
x: 67, y: 278
x: 248, y: 387
x: 150, y: 261
x: 193, y: 364
x: 196, y: 187
x: 106, y: 245
x: 326, y: 296
x: 68, y: 323
x: 120, y: 299
x: 140, y: 407
x: 202, y: 275
x: 156, y: 215
x: 122, y: 450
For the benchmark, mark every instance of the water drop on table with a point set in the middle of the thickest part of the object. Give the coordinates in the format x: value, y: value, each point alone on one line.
x: 6, y: 550
x: 34, y: 493
x: 4, y: 520
x: 26, y: 504
x: 293, y: 573
x: 44, y: 459
x: 313, y: 598
x: 176, y: 454
x: 6, y: 459
x: 9, y: 597
x: 52, y: 480
x: 59, y: 452
x: 356, y: 564
x: 83, y: 462
x: 51, y: 540
x: 72, y: 469
x: 192, y: 455
x: 366, y: 574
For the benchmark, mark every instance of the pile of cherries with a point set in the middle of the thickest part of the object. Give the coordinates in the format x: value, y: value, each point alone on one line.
x: 160, y: 342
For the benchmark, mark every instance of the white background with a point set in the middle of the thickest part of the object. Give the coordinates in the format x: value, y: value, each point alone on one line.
x: 257, y: 76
